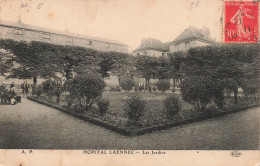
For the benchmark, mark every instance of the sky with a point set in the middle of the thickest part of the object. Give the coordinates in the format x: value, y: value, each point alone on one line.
x: 127, y: 21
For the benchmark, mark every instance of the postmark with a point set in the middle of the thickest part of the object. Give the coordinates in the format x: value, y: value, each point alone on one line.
x: 241, y: 22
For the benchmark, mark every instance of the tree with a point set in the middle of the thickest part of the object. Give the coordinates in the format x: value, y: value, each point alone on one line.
x: 198, y: 91
x: 118, y: 64
x: 176, y: 60
x: 251, y: 87
x: 31, y: 59
x: 5, y: 63
x: 135, y: 108
x: 127, y: 83
x: 229, y: 64
x: 163, y: 85
x: 146, y: 67
x: 172, y: 106
x: 48, y: 87
x: 85, y: 89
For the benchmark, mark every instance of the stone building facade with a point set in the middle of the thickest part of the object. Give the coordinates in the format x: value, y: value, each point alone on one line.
x: 152, y: 47
x: 191, y: 37
x: 19, y: 31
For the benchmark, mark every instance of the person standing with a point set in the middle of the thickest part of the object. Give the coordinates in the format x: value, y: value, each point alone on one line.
x: 22, y: 87
x: 26, y: 89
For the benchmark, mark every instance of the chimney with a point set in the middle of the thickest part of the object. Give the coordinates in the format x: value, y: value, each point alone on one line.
x: 205, y: 32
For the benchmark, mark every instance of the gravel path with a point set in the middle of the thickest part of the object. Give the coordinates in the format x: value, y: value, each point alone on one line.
x: 29, y: 125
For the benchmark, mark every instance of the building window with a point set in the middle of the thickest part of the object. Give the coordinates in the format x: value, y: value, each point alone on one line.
x: 107, y: 45
x: 46, y: 35
x: 89, y: 42
x: 137, y: 53
x: 187, y: 45
x: 18, y: 31
x: 69, y: 39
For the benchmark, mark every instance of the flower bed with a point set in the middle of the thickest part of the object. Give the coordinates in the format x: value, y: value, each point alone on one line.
x: 117, y: 121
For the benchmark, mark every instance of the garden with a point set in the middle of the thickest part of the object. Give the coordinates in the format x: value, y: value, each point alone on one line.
x: 216, y: 80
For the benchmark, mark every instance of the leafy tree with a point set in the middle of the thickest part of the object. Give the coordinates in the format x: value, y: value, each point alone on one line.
x: 115, y: 63
x: 146, y: 67
x: 176, y: 61
x: 229, y: 64
x: 31, y: 59
x: 85, y: 89
x: 135, y: 108
x: 5, y: 63
x: 48, y: 87
x: 103, y: 106
x: 163, y: 85
x: 198, y: 91
x: 127, y: 83
x: 172, y: 106
x: 251, y: 87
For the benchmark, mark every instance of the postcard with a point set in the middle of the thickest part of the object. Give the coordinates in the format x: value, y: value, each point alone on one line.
x: 129, y: 82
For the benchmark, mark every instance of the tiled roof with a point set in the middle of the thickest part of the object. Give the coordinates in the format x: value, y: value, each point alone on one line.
x: 192, y: 33
x: 65, y: 33
x: 153, y: 44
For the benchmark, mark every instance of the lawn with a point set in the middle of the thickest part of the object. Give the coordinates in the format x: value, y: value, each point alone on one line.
x: 155, y: 110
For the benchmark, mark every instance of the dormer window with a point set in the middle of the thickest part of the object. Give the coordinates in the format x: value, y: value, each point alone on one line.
x: 46, y: 35
x: 187, y: 45
x: 89, y: 42
x: 18, y: 31
x: 107, y: 45
x: 69, y: 39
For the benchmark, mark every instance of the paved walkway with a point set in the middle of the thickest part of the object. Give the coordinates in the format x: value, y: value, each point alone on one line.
x: 34, y: 126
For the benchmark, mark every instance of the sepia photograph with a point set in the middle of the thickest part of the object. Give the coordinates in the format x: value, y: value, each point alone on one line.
x: 115, y: 76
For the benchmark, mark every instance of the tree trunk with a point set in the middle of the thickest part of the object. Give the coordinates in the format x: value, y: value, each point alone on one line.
x: 147, y: 83
x: 34, y: 85
x: 174, y: 84
x: 235, y: 96
x: 35, y: 80
x: 67, y: 74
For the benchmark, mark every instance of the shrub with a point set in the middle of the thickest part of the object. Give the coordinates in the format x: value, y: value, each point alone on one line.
x: 85, y: 89
x: 134, y: 108
x: 39, y: 91
x: 5, y: 95
x: 198, y: 91
x: 127, y: 83
x: 172, y: 106
x: 58, y: 89
x: 251, y: 87
x: 231, y: 85
x: 219, y: 99
x: 52, y: 88
x: 47, y: 86
x: 115, y: 89
x: 163, y: 85
x: 103, y: 105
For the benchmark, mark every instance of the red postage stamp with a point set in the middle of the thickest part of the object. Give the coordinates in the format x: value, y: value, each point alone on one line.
x: 241, y: 22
